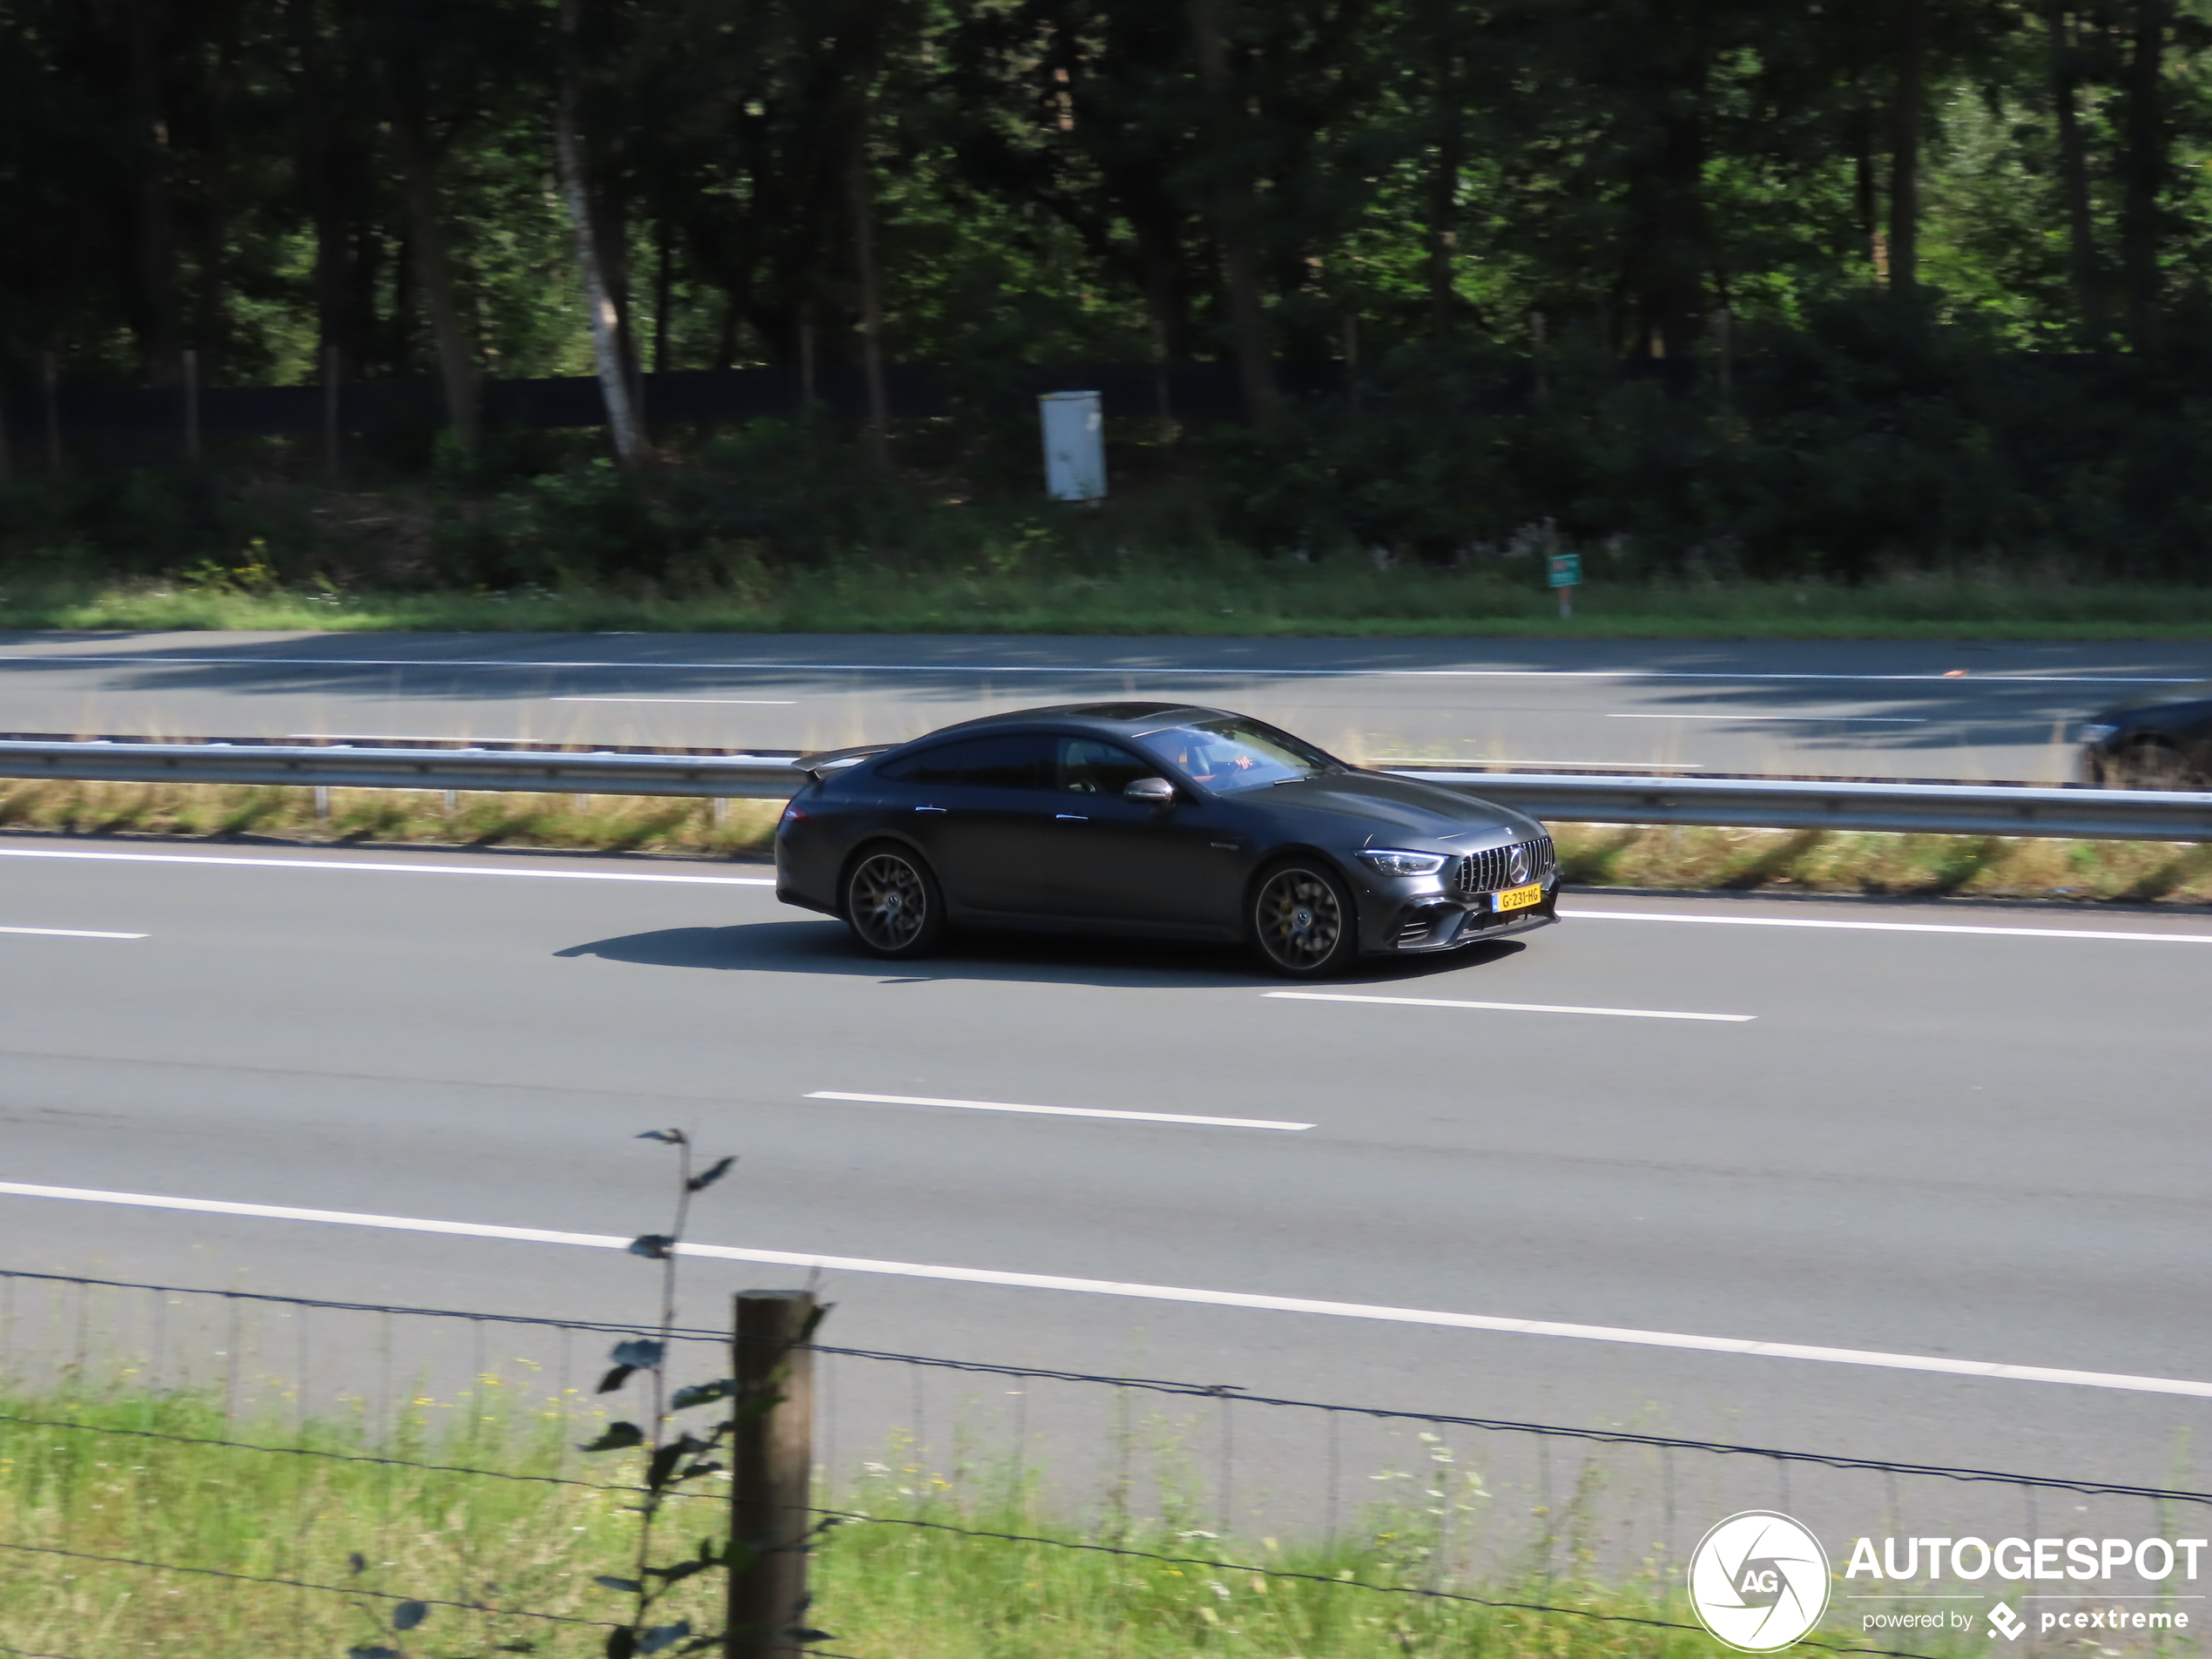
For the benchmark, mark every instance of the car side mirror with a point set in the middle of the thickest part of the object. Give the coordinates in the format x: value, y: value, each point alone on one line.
x: 1149, y: 791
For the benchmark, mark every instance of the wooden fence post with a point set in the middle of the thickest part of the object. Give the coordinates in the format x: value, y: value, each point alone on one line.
x: 771, y: 1467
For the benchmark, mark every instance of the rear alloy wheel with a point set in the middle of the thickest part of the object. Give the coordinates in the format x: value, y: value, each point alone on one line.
x: 2152, y: 764
x: 893, y: 905
x: 1303, y: 920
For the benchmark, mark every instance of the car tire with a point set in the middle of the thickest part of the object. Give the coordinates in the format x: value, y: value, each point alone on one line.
x: 2149, y: 764
x: 1303, y: 922
x: 891, y: 901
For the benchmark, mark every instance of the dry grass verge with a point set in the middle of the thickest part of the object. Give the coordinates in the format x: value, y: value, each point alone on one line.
x: 429, y: 817
x: 1884, y: 865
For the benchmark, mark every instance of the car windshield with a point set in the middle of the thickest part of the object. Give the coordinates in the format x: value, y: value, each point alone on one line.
x: 1231, y: 754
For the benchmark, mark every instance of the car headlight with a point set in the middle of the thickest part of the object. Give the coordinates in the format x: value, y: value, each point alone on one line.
x: 2091, y: 734
x: 1392, y: 862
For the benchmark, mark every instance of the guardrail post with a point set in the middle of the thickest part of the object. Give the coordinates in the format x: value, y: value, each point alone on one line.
x: 771, y: 1468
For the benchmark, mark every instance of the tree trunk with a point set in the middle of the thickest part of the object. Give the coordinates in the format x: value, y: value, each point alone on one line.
x: 159, y: 310
x: 2073, y: 176
x: 1905, y: 118
x: 2143, y: 171
x: 607, y: 354
x: 663, y: 283
x: 871, y: 294
x: 1444, y: 198
x: 1670, y: 254
x: 1866, y: 206
x: 1233, y: 213
x: 434, y: 274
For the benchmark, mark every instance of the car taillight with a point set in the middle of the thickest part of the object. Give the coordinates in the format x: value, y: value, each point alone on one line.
x: 793, y: 813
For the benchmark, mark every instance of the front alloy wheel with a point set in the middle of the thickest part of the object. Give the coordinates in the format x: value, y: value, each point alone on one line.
x: 2152, y: 764
x: 892, y: 905
x: 1302, y: 920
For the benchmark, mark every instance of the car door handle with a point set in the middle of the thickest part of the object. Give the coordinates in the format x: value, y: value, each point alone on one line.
x: 929, y: 809
x: 1069, y: 817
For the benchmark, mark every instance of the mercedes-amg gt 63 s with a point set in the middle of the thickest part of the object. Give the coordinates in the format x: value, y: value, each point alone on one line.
x: 1155, y: 819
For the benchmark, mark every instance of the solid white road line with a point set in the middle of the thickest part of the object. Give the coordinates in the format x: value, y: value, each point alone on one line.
x: 1057, y: 1111
x: 400, y: 737
x: 1580, y: 915
x: 750, y: 702
x: 1507, y: 1007
x: 1153, y: 1292
x: 150, y: 659
x: 1789, y: 719
x: 69, y: 933
x: 381, y: 869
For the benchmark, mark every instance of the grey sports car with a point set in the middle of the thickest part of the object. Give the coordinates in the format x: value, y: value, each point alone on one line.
x: 1155, y: 819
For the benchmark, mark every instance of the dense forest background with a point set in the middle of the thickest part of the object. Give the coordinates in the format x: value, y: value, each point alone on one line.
x: 1716, y: 284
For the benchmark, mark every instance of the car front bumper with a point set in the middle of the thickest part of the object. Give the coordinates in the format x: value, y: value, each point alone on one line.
x: 1439, y: 923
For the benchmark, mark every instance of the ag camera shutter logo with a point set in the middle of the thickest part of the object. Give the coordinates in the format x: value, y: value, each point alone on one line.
x: 1758, y: 1581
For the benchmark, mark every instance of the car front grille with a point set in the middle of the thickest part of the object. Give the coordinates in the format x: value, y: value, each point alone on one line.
x: 1487, y: 872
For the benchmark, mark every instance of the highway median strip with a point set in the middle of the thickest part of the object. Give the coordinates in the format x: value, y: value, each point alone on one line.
x: 1738, y: 1347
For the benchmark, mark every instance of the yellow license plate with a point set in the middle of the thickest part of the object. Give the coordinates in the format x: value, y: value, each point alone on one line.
x: 1518, y: 897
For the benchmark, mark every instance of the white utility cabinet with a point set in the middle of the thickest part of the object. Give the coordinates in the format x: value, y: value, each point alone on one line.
x: 1075, y: 446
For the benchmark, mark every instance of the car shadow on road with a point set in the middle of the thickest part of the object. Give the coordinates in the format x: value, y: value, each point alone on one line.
x: 826, y: 947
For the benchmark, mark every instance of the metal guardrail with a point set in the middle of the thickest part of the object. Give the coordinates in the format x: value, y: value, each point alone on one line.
x: 1777, y: 803
x: 473, y: 767
x: 2073, y: 812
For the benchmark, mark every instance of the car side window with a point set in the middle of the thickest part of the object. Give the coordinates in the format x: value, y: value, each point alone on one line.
x: 937, y: 766
x: 1014, y: 760
x: 1089, y: 767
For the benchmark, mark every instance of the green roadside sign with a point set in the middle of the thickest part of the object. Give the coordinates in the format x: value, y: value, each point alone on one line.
x: 1566, y: 569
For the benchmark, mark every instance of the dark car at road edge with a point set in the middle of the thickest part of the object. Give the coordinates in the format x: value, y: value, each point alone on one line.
x: 1155, y: 819
x: 2161, y: 741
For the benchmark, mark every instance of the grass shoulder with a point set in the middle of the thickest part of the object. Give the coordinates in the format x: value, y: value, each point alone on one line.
x: 1216, y: 594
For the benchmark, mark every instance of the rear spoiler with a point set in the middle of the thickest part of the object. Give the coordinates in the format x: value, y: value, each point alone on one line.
x: 837, y: 759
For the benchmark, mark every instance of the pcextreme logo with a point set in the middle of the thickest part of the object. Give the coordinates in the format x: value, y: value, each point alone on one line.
x: 1758, y: 1581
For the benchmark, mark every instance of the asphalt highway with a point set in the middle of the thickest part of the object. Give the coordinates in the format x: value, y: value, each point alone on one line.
x: 1936, y: 710
x: 1913, y: 1133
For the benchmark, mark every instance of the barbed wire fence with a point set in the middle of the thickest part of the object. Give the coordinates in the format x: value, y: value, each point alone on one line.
x: 1435, y: 1508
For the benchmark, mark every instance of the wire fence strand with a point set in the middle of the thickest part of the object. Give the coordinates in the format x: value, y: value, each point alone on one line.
x: 303, y: 1584
x: 1213, y: 1392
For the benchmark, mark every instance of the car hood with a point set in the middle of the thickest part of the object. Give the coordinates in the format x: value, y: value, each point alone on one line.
x: 2196, y: 691
x: 1397, y: 808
